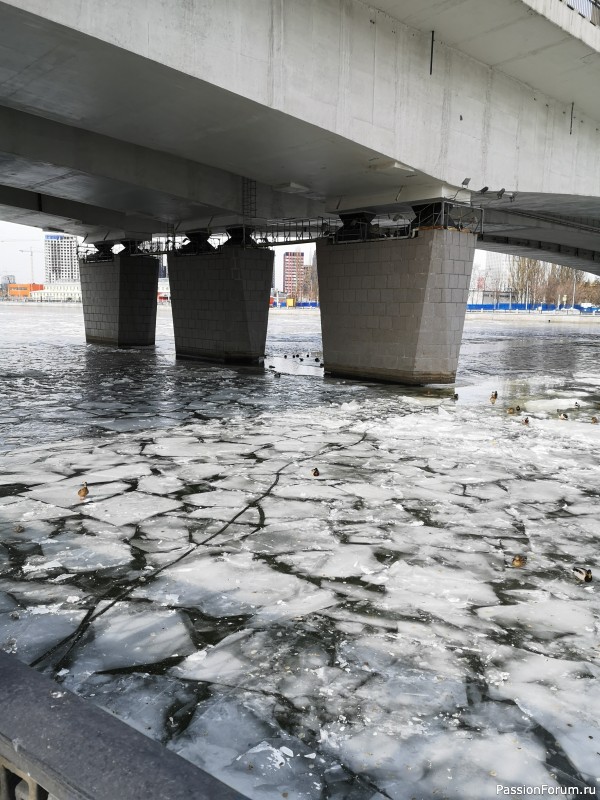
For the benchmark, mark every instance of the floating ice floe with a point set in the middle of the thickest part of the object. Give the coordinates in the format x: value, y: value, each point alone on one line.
x: 129, y: 508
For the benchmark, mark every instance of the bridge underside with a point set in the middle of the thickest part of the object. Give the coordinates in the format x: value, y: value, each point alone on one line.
x: 575, y: 257
x: 116, y: 126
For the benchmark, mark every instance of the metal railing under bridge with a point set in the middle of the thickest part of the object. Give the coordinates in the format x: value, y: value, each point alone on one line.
x: 347, y: 227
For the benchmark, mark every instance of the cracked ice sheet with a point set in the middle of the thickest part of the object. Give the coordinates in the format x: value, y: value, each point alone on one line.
x: 28, y: 510
x: 447, y: 593
x: 227, y: 499
x: 219, y: 586
x: 129, y: 508
x: 190, y: 447
x: 252, y: 760
x: 64, y: 494
x: 284, y: 537
x: 388, y: 681
x: 78, y: 553
x: 129, y: 635
x: 546, y: 690
x: 143, y: 701
x: 28, y: 634
x: 343, y: 562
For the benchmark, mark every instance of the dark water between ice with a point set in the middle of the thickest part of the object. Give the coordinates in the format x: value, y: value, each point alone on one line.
x: 53, y: 385
x: 356, y: 635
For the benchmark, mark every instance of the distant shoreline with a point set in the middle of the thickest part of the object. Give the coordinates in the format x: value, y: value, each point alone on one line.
x: 532, y: 317
x: 505, y: 317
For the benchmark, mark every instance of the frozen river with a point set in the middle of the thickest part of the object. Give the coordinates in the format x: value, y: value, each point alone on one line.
x: 357, y: 635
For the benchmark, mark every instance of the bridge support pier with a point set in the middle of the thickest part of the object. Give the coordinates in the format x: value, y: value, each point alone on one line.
x: 220, y: 303
x: 394, y: 309
x: 119, y: 299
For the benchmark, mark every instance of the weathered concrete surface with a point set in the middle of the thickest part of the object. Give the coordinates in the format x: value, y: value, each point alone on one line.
x: 496, y: 106
x: 119, y: 300
x: 76, y: 751
x: 394, y: 310
x: 220, y: 304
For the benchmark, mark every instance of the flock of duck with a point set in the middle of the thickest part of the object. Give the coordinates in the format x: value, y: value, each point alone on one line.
x: 517, y: 410
x: 300, y: 358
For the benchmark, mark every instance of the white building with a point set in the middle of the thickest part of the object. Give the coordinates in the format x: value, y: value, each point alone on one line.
x: 164, y: 290
x: 60, y: 258
x: 59, y: 292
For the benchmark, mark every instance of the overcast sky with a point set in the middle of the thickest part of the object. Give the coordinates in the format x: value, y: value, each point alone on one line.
x: 13, y: 240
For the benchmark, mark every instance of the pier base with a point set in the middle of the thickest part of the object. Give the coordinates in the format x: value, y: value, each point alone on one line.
x: 220, y: 303
x: 394, y: 309
x: 119, y: 300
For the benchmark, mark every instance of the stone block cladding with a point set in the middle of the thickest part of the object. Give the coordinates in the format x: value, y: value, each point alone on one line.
x: 394, y: 309
x: 119, y: 300
x: 220, y: 304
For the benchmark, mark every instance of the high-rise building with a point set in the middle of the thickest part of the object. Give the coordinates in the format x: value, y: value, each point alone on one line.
x: 60, y: 257
x: 293, y: 274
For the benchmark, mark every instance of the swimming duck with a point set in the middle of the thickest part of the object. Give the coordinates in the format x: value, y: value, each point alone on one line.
x: 518, y: 409
x: 526, y: 421
x: 285, y: 356
x: 315, y: 472
x: 494, y: 395
x: 84, y: 491
x: 510, y: 410
x: 594, y: 420
x: 455, y: 396
x: 271, y: 366
x: 563, y: 416
x: 577, y: 404
x: 583, y: 574
x: 19, y: 529
x: 519, y: 561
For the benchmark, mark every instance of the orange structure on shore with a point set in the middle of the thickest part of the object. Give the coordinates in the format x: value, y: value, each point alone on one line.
x: 23, y: 290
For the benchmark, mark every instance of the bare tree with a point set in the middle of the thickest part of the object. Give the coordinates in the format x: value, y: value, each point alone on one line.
x: 527, y: 278
x: 550, y: 283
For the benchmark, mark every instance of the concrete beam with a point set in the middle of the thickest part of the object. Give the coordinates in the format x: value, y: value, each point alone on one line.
x: 45, y: 211
x: 323, y: 88
x: 578, y: 258
x: 76, y: 750
x: 63, y: 161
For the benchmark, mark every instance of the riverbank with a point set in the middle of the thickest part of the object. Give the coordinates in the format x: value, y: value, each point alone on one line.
x: 533, y: 317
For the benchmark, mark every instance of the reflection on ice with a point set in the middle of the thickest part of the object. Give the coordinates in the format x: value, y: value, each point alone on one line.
x: 357, y: 635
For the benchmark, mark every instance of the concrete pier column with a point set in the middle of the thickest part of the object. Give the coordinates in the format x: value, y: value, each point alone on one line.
x: 220, y: 302
x: 394, y: 309
x: 119, y: 294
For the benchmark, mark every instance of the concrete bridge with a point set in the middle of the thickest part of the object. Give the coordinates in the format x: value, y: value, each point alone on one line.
x: 401, y: 120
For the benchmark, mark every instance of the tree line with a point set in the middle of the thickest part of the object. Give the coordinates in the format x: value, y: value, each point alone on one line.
x: 538, y: 282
